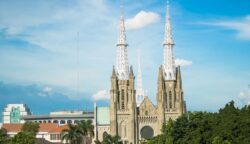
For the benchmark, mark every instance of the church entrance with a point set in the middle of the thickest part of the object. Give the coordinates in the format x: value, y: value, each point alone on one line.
x: 147, y: 132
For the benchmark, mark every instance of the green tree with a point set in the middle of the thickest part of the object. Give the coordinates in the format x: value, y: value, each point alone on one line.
x: 109, y: 139
x: 72, y: 135
x: 23, y: 138
x: 219, y: 140
x: 168, y: 132
x: 3, y: 136
x: 87, y: 129
x: 30, y: 127
x: 230, y: 125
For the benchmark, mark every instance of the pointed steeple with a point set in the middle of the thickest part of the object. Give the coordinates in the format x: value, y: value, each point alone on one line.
x: 160, y: 78
x: 139, y: 91
x: 168, y: 44
x: 122, y: 68
x: 113, y: 72
x: 131, y: 72
x: 178, y: 78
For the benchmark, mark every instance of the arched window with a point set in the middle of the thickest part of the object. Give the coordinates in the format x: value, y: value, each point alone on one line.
x: 146, y: 112
x: 69, y: 121
x: 123, y: 105
x: 62, y: 122
x: 55, y: 121
x: 104, y: 135
x: 170, y: 99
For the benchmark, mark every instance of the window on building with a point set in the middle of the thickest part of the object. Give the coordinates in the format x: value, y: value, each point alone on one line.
x: 69, y: 122
x: 55, y: 136
x: 62, y: 122
x: 170, y: 99
x: 104, y: 135
x: 55, y: 121
x: 146, y: 112
x: 123, y: 104
x: 15, y: 115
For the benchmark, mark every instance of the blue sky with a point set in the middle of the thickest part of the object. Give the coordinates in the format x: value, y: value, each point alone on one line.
x: 38, y: 46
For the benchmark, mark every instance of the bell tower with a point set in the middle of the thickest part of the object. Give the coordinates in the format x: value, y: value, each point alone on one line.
x: 122, y: 94
x: 170, y: 102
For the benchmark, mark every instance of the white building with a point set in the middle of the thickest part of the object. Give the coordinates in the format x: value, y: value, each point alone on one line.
x: 60, y: 117
x: 13, y: 113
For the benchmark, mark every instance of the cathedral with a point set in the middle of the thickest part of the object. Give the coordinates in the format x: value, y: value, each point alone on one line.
x: 131, y: 115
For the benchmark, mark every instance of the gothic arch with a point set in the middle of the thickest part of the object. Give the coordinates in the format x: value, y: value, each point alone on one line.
x: 123, y: 131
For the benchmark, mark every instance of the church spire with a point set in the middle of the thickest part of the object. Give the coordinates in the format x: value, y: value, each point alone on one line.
x: 122, y: 68
x: 168, y: 44
x: 139, y: 92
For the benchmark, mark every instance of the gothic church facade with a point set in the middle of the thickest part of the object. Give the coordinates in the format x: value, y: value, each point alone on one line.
x: 133, y: 122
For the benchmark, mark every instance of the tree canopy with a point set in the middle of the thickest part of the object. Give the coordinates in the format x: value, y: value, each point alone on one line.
x: 230, y: 125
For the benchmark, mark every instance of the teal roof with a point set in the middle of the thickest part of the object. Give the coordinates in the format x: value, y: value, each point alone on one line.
x: 102, y: 115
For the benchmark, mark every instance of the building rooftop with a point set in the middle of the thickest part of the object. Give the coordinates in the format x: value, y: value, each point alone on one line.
x: 44, y: 127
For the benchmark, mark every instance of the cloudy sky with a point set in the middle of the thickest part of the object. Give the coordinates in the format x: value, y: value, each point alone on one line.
x: 38, y: 49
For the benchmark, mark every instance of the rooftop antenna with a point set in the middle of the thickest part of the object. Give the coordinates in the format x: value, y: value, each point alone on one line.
x: 122, y: 8
x: 77, y: 63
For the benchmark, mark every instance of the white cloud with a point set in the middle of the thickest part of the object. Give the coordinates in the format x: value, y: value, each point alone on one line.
x: 142, y: 19
x: 242, y: 26
x: 47, y: 89
x: 101, y: 95
x: 244, y: 97
x: 183, y: 63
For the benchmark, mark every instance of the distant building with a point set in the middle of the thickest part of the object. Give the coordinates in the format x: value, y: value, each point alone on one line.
x: 47, y: 131
x: 13, y: 113
x: 61, y: 117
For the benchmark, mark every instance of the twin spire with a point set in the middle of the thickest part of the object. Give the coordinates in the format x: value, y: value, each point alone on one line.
x: 168, y: 53
x: 122, y: 66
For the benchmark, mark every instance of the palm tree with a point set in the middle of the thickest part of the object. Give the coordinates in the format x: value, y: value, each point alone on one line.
x: 87, y: 129
x: 73, y: 134
x: 109, y: 139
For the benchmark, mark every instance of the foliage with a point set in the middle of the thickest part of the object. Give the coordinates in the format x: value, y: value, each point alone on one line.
x: 230, y: 125
x: 3, y: 136
x: 109, y: 139
x: 23, y: 138
x: 87, y: 129
x: 80, y: 133
x: 73, y: 134
x: 30, y: 127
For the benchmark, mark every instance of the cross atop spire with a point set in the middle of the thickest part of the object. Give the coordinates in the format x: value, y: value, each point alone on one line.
x: 122, y: 68
x: 168, y: 44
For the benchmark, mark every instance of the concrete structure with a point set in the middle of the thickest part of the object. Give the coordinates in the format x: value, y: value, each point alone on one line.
x: 13, y: 113
x: 61, y: 117
x: 48, y: 131
x: 101, y: 122
x: 136, y: 123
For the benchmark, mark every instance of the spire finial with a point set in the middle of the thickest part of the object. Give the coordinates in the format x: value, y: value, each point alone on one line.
x: 122, y: 9
x: 168, y: 40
